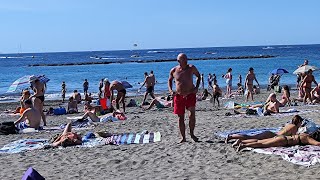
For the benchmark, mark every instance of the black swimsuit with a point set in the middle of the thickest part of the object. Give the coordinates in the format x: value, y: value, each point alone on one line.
x: 41, y: 98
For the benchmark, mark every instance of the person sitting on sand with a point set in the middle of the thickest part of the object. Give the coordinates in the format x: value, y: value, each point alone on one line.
x: 88, y: 97
x: 281, y: 141
x: 272, y: 105
x: 25, y: 95
x: 203, y: 95
x: 315, y: 94
x: 72, y: 106
x: 161, y: 103
x: 256, y: 89
x: 285, y: 98
x: 288, y: 130
x: 67, y: 138
x: 117, y: 114
x: 121, y: 95
x: 216, y: 92
x: 76, y: 96
x: 240, y: 91
x: 30, y: 118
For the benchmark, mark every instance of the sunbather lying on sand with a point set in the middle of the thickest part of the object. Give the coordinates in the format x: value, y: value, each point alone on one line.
x: 280, y: 141
x: 67, y: 138
x: 117, y: 114
x: 160, y: 103
x: 288, y: 130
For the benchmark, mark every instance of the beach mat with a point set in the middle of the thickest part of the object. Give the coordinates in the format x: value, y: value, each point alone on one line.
x: 116, y: 139
x: 300, y: 155
x: 134, y: 138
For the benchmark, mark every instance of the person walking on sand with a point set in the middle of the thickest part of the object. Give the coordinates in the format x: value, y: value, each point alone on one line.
x: 63, y: 91
x: 240, y: 79
x: 38, y: 101
x: 85, y: 86
x: 116, y: 85
x: 185, y: 94
x: 249, y: 83
x: 149, y: 83
x: 210, y: 78
x: 153, y: 78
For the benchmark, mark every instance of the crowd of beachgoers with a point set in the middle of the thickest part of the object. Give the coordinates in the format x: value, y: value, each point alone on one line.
x: 112, y: 104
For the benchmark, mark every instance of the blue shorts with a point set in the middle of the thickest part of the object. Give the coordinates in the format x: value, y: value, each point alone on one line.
x: 22, y: 125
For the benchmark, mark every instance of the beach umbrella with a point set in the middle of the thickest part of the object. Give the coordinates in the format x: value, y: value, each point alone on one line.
x: 304, y: 69
x: 279, y: 71
x: 126, y: 84
x: 23, y: 83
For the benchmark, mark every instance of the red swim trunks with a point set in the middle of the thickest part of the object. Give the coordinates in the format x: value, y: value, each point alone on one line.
x: 181, y: 103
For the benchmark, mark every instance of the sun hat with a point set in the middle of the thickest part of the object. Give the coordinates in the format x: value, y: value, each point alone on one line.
x: 33, y: 78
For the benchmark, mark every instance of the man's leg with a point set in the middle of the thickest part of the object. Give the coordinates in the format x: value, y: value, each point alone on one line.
x: 182, y: 127
x: 144, y: 98
x: 192, y: 123
x: 123, y: 102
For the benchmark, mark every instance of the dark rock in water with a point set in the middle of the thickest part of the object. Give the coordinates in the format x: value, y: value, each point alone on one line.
x: 159, y: 60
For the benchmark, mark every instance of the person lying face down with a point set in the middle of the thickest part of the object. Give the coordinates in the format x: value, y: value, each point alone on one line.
x: 288, y: 130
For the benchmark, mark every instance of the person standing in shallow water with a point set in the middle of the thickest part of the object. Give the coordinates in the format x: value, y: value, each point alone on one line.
x: 63, y: 91
x: 85, y: 86
x: 185, y: 94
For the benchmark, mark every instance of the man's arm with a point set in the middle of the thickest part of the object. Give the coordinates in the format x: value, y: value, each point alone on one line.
x: 170, y: 81
x: 23, y: 116
x: 245, y: 82
x: 144, y: 82
x: 256, y: 80
x: 198, y: 76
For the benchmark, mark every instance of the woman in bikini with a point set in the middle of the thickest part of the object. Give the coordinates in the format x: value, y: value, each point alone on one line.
x: 228, y: 78
x: 285, y: 98
x: 306, y: 85
x: 67, y: 138
x: 282, y: 141
x: 39, y: 90
x: 249, y: 83
x: 287, y: 130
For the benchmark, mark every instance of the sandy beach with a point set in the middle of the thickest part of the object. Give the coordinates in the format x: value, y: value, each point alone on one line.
x: 208, y: 159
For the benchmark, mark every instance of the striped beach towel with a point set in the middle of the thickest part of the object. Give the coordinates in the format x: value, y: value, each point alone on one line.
x: 134, y: 138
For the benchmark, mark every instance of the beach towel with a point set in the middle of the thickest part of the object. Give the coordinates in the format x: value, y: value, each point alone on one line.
x: 300, y: 155
x: 116, y: 139
x: 78, y: 124
x: 133, y: 138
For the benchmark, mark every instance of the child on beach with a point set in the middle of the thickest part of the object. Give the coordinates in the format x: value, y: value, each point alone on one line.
x: 216, y: 92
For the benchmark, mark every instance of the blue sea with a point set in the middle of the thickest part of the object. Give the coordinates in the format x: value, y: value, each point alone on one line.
x: 14, y: 66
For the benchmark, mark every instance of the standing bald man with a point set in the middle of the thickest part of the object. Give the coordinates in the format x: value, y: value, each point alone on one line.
x: 185, y: 95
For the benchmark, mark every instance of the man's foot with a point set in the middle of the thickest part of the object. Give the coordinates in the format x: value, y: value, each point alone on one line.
x: 183, y: 140
x: 227, y: 139
x: 195, y: 138
x: 235, y: 144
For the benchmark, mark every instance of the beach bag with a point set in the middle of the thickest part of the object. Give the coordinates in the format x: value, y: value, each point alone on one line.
x: 251, y: 112
x: 60, y: 111
x: 7, y: 128
x: 32, y: 174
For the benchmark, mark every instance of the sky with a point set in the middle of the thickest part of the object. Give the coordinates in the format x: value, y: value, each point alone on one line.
x: 82, y: 25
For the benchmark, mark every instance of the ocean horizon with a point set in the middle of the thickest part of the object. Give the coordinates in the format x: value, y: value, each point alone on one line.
x: 126, y: 65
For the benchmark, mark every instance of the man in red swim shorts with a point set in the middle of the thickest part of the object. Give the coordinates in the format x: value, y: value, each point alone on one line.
x: 185, y: 95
